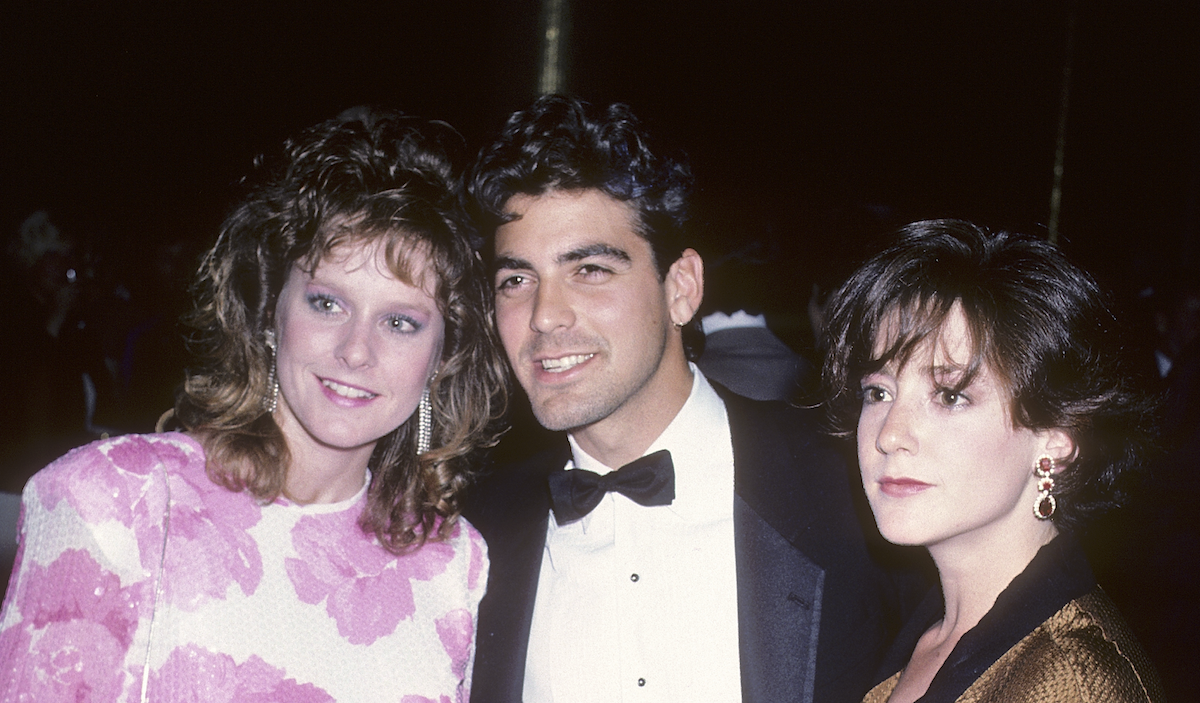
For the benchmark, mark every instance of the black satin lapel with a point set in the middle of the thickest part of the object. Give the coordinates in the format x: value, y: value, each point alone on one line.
x: 505, y: 614
x: 511, y: 508
x: 779, y: 612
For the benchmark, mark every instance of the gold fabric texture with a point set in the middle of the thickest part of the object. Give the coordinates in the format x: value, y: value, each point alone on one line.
x: 1085, y: 653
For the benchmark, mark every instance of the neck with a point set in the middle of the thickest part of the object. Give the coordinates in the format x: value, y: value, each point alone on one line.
x: 307, y: 487
x: 629, y: 431
x: 974, y: 575
x: 318, y: 473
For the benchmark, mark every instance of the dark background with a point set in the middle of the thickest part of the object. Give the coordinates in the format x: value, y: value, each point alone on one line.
x: 814, y: 127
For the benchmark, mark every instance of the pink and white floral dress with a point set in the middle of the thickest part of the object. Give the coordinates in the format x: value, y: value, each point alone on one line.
x: 225, y: 599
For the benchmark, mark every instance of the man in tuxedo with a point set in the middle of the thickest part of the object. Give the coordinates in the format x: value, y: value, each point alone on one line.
x: 724, y: 560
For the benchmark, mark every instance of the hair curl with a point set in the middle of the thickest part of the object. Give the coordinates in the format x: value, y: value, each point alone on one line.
x: 1038, y: 321
x: 368, y: 176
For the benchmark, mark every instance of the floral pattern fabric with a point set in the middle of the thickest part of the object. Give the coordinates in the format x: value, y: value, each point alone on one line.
x: 138, y: 578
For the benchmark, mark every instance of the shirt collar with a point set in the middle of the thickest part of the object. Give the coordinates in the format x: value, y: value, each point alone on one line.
x: 701, y: 450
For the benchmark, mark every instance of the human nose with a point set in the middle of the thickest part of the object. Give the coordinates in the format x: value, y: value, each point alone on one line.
x: 354, y: 347
x: 551, y: 309
x: 897, y: 434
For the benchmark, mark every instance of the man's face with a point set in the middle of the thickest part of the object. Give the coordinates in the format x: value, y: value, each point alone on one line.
x: 581, y: 310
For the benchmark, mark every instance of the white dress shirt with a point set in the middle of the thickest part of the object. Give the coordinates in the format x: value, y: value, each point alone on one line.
x: 639, y: 603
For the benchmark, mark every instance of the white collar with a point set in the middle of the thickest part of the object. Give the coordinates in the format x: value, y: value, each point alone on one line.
x: 701, y: 450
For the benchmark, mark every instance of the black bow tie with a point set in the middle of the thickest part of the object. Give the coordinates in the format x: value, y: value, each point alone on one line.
x: 649, y: 480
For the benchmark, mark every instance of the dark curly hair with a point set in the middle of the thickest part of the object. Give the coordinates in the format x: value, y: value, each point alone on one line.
x: 563, y: 143
x: 1038, y: 321
x: 367, y: 176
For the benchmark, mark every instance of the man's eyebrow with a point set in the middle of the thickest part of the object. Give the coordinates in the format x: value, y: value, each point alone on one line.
x: 512, y: 263
x: 509, y: 263
x: 599, y: 249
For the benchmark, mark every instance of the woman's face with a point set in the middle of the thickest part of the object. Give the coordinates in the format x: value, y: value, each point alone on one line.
x: 939, y: 465
x: 356, y: 348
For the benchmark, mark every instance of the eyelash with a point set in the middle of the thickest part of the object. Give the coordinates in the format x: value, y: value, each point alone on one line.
x: 326, y: 305
x: 412, y: 324
x: 869, y: 394
x: 948, y: 397
x: 951, y: 398
x: 510, y: 282
x: 322, y: 303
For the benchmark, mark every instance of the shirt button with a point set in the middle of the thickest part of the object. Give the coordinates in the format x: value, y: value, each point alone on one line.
x: 634, y: 578
x: 641, y: 682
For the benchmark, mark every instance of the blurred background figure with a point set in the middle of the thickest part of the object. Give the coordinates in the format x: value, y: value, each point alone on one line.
x: 741, y: 349
x: 742, y: 354
x: 54, y: 365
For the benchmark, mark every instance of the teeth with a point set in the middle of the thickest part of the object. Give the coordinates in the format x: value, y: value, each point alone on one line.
x: 347, y: 391
x: 567, y: 362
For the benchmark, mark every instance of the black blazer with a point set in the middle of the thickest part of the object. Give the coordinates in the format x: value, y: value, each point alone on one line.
x: 815, y: 611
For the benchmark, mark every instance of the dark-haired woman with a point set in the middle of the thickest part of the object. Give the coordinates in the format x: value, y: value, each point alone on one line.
x: 992, y: 417
x: 300, y: 540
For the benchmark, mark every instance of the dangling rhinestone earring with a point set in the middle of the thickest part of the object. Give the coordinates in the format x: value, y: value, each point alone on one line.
x: 424, y: 423
x: 271, y: 399
x: 1044, y: 504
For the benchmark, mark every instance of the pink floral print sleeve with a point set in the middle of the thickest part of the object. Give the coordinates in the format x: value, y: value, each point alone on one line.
x: 219, y: 599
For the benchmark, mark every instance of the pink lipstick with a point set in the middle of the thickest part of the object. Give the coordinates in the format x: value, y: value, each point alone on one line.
x: 902, y: 487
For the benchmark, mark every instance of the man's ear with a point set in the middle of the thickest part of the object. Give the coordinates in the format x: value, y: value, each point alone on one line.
x: 685, y: 287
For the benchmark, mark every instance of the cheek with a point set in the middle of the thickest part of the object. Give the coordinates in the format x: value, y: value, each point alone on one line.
x: 868, y: 430
x: 511, y: 318
x: 414, y: 363
x: 301, y: 340
x: 295, y: 323
x: 636, y: 324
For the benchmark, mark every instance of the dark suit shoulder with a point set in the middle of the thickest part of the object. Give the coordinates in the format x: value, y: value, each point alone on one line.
x: 789, y: 469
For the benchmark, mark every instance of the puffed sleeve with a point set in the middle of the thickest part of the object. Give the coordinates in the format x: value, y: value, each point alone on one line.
x: 84, y: 574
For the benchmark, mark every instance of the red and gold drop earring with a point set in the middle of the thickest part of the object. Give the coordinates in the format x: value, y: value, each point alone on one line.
x: 1044, y: 504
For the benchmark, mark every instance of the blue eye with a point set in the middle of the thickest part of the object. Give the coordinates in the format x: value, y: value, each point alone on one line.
x: 400, y: 323
x: 323, y: 303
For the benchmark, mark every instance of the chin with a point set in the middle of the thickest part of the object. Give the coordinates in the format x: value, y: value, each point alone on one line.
x: 566, y: 414
x: 347, y: 440
x: 902, y: 533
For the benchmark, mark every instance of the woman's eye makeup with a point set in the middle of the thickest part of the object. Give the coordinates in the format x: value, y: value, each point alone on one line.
x: 398, y: 322
x: 323, y: 302
x: 403, y: 323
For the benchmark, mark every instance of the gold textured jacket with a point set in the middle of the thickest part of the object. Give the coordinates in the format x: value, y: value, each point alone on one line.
x: 1082, y: 653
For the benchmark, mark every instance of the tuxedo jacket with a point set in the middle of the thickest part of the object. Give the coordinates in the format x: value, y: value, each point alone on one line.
x: 815, y: 611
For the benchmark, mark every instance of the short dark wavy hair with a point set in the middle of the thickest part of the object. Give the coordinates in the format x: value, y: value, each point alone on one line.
x: 1038, y: 321
x: 566, y: 144
x: 367, y: 176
